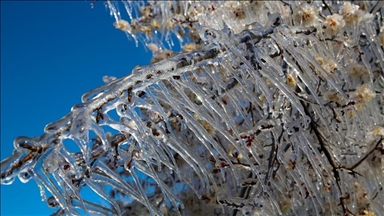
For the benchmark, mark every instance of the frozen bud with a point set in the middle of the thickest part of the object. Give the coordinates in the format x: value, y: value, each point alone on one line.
x: 122, y: 25
x: 333, y: 24
x: 107, y: 79
x: 52, y: 202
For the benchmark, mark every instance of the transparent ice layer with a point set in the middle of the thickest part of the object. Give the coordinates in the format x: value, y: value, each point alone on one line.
x: 276, y: 112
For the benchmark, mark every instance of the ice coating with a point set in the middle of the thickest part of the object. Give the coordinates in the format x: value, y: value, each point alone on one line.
x: 269, y: 116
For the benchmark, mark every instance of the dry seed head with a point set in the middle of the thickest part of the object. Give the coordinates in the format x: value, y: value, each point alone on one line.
x: 144, y: 19
x: 291, y: 81
x: 239, y: 13
x: 145, y: 29
x: 233, y: 152
x: 378, y: 131
x: 153, y: 47
x: 327, y: 188
x: 327, y: 64
x: 192, y: 14
x: 134, y: 26
x: 362, y: 196
x: 262, y: 98
x: 162, y: 56
x: 170, y: 24
x: 155, y: 24
x: 351, y: 113
x: 290, y: 165
x: 231, y: 4
x: 333, y: 96
x: 285, y: 205
x: 381, y: 36
x: 189, y: 47
x: 268, y: 82
x: 146, y: 10
x: 368, y: 213
x: 207, y: 126
x: 363, y: 95
x: 356, y: 70
x: 122, y: 25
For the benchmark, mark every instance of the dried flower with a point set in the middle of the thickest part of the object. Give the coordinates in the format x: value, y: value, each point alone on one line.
x: 306, y: 15
x: 351, y: 13
x: 363, y: 95
x: 327, y: 64
x: 122, y: 25
x: 333, y: 24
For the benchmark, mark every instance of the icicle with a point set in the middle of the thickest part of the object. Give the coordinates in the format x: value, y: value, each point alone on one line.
x: 141, y: 190
x: 69, y: 184
x: 117, y: 184
x: 92, y: 208
x: 102, y: 194
x: 45, y: 180
x: 151, y: 173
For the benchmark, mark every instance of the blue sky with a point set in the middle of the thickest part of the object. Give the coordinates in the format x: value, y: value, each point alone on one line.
x: 51, y: 53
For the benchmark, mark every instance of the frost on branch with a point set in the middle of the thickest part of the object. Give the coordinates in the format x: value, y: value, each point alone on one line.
x: 272, y: 108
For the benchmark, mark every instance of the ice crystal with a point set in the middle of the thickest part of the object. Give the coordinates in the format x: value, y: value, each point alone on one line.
x: 271, y: 108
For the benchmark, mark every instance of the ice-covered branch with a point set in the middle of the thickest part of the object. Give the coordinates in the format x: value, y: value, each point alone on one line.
x: 272, y: 108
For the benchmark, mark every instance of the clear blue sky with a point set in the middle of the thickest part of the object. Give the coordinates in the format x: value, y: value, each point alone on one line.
x: 51, y: 53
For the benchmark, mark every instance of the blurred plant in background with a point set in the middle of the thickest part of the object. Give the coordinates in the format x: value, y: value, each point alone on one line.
x: 269, y: 108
